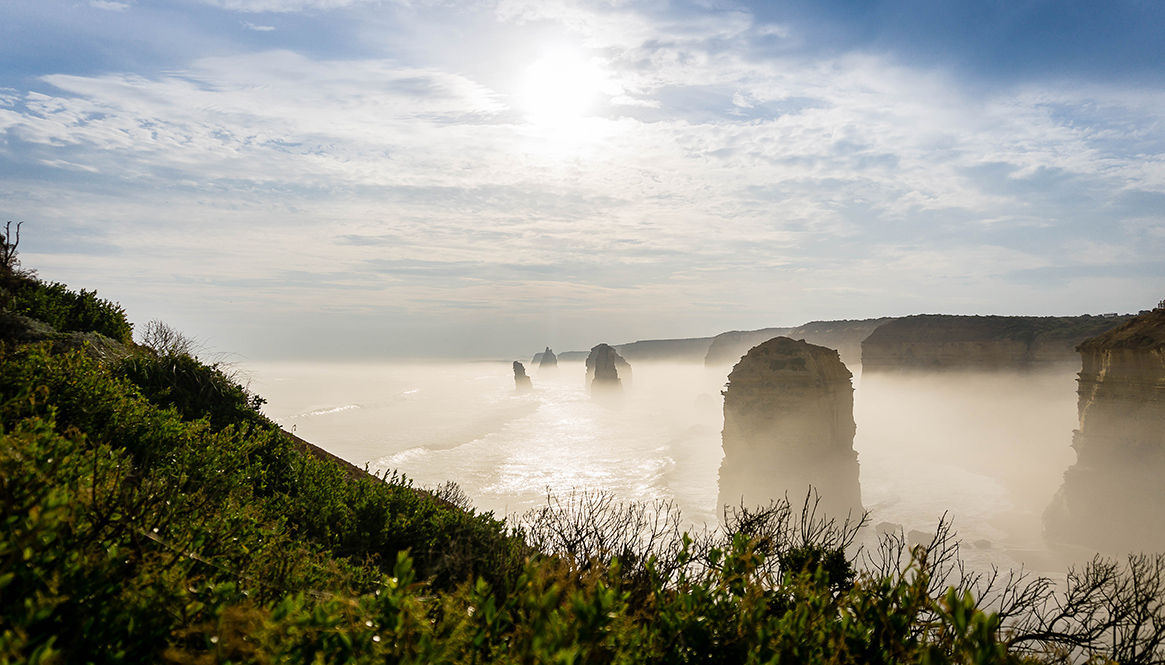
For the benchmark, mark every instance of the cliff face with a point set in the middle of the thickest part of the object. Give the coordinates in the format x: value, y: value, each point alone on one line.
x: 788, y: 424
x: 931, y: 342
x: 1112, y: 498
x: 845, y: 336
x: 681, y: 350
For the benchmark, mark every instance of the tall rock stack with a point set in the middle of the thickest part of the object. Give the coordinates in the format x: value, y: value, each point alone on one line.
x: 1113, y: 498
x: 548, y: 360
x: 602, y: 369
x: 789, y: 425
x: 521, y: 382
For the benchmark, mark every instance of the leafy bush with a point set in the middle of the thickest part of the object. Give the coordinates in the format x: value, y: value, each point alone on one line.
x: 70, y: 311
x: 195, y: 389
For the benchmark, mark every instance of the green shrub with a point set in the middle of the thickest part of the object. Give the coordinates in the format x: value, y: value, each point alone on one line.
x: 195, y: 389
x: 70, y: 311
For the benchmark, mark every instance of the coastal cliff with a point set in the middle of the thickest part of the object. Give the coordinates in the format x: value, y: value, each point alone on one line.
x: 845, y: 336
x: 649, y: 350
x: 936, y: 342
x: 676, y: 350
x: 728, y: 348
x: 1111, y: 498
x: 789, y: 425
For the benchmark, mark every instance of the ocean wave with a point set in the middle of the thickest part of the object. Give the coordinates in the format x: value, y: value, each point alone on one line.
x: 403, y: 396
x: 324, y: 412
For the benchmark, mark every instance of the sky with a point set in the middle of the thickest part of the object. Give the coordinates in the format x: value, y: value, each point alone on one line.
x: 347, y: 179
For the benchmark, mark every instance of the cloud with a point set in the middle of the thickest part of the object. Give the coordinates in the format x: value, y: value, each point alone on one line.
x: 258, y: 28
x: 110, y: 6
x: 711, y: 178
x: 282, y: 6
x: 887, y: 136
x: 62, y: 164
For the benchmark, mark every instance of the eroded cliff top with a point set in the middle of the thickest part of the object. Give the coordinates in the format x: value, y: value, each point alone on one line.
x: 792, y: 361
x: 1146, y: 331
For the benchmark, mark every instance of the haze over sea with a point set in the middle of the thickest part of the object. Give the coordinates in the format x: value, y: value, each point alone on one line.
x: 988, y: 450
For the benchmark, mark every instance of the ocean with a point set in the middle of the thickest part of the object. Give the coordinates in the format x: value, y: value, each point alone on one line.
x: 987, y: 451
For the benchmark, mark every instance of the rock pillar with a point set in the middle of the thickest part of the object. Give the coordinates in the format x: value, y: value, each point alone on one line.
x: 789, y: 425
x: 548, y: 359
x: 521, y: 382
x: 603, y: 365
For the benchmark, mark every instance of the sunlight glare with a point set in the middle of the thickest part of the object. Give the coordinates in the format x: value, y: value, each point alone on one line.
x: 561, y: 88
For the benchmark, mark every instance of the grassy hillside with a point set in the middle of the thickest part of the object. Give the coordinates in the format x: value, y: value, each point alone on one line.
x: 149, y: 512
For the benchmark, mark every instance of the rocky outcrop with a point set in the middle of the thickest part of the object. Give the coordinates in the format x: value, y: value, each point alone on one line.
x: 846, y: 336
x: 548, y: 359
x: 1112, y: 498
x: 603, y: 367
x: 789, y: 425
x: 521, y: 382
x: 939, y: 342
x: 565, y: 356
x: 17, y: 330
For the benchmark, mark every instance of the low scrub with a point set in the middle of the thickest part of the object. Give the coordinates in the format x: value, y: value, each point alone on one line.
x: 66, y: 310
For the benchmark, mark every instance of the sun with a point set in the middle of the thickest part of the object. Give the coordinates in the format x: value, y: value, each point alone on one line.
x: 560, y: 88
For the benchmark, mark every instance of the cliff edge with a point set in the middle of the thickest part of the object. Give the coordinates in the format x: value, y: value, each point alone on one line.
x: 939, y: 342
x: 846, y: 336
x: 1112, y: 496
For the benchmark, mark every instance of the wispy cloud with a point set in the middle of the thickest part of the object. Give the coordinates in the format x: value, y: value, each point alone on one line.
x: 110, y: 5
x: 282, y: 6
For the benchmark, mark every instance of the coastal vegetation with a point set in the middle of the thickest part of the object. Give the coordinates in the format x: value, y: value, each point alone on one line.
x: 149, y: 512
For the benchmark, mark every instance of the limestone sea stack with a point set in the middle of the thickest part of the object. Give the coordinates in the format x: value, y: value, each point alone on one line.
x: 603, y: 367
x: 1113, y: 497
x: 548, y: 359
x: 789, y: 425
x: 521, y: 382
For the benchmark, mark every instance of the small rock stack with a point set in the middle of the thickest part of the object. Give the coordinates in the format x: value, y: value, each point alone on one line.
x: 548, y: 359
x: 521, y: 382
